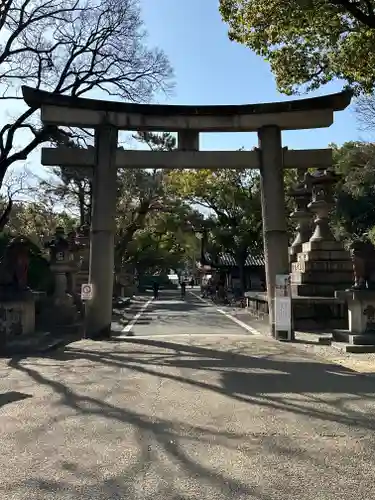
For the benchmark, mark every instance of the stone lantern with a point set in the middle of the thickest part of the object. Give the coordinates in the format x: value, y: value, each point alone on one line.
x: 61, y: 265
x: 301, y: 194
x: 322, y: 183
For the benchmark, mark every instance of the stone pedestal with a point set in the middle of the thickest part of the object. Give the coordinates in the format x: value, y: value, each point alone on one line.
x: 321, y: 268
x: 361, y: 310
x: 62, y: 310
x: 323, y: 265
x: 17, y: 317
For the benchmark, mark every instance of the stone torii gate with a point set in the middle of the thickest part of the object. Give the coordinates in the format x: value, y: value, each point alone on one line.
x: 108, y: 117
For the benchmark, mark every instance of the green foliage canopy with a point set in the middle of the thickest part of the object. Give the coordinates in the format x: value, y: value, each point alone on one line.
x: 232, y: 199
x: 354, y: 214
x: 308, y: 43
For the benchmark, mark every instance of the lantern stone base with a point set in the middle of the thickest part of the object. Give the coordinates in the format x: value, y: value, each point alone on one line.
x: 58, y: 311
x: 321, y: 268
x: 361, y: 310
x: 17, y: 317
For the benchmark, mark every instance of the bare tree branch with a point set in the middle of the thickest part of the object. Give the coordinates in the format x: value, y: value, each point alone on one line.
x: 71, y: 47
x: 365, y: 112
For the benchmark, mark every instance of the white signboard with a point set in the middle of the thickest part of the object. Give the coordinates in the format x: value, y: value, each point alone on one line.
x: 87, y: 291
x: 283, y: 305
x: 283, y: 313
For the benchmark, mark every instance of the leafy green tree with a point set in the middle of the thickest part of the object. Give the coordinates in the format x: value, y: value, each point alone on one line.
x: 141, y: 192
x: 37, y: 222
x: 308, y: 43
x: 233, y: 200
x: 354, y: 213
x: 167, y: 241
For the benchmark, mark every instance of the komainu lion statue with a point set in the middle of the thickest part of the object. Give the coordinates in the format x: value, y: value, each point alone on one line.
x: 363, y: 258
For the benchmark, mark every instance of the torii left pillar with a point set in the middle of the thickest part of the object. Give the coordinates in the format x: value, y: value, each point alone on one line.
x: 101, y: 274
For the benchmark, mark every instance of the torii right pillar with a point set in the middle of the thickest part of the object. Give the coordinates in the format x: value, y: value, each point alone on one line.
x: 275, y: 235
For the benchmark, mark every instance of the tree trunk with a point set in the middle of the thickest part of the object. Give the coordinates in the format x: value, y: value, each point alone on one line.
x: 82, y: 207
x: 4, y: 218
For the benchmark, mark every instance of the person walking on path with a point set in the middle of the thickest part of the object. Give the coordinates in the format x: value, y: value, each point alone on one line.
x: 155, y: 288
x: 183, y: 289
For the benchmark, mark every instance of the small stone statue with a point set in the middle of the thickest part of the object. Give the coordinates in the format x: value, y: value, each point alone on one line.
x: 363, y: 257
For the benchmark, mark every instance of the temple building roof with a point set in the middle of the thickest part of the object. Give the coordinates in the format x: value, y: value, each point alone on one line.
x: 227, y: 260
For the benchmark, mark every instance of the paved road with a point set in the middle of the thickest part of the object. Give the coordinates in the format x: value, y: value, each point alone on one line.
x: 171, y: 315
x: 224, y: 416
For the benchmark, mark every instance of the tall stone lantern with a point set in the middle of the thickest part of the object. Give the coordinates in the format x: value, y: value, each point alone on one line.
x: 322, y: 183
x: 323, y: 266
x: 61, y: 263
x: 301, y: 194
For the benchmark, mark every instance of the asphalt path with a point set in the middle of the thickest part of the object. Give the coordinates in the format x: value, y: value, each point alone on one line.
x: 189, y: 405
x: 171, y: 315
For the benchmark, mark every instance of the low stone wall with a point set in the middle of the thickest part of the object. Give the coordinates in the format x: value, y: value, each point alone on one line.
x: 17, y: 317
x: 309, y: 313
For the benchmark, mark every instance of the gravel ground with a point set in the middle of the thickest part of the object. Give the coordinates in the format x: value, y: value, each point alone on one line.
x: 362, y: 363
x: 223, y: 416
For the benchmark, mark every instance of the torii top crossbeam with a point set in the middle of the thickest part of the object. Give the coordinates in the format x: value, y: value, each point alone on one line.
x: 308, y: 113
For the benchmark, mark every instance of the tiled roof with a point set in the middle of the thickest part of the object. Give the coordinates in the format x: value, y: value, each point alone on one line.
x: 228, y: 260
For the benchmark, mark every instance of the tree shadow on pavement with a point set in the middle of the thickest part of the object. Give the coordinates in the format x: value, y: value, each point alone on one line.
x: 12, y: 397
x: 151, y: 434
x: 261, y: 380
x: 273, y: 390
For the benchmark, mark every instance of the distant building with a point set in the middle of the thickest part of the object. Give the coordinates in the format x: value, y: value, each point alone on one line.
x: 225, y: 267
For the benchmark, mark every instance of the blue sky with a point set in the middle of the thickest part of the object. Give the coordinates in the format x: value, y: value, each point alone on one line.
x: 212, y: 70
